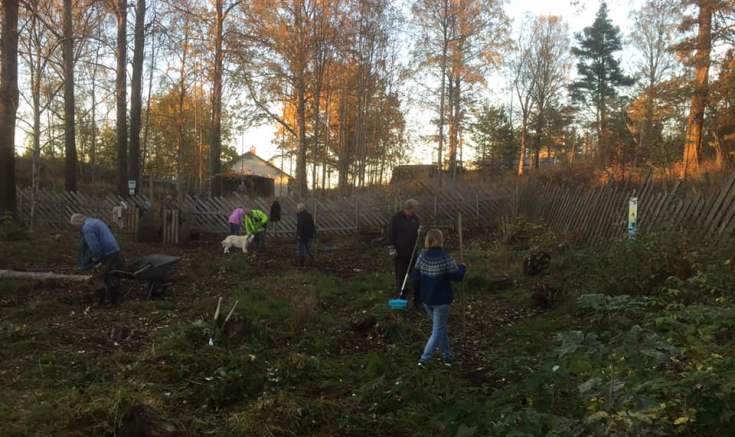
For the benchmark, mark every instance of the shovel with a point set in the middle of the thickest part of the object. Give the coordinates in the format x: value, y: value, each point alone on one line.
x: 211, y: 339
x: 214, y: 323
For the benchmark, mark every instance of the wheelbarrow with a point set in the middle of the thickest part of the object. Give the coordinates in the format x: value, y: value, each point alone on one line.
x: 154, y: 270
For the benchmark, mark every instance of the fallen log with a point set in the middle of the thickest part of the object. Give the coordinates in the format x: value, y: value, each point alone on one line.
x: 43, y: 276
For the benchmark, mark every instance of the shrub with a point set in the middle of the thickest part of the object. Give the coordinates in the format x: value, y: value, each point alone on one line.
x: 10, y: 230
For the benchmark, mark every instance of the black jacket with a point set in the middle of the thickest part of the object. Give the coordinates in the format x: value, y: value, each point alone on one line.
x: 276, y: 212
x: 304, y: 226
x: 402, y: 233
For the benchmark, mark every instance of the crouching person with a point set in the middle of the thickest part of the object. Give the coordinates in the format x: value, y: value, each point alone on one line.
x: 99, y: 250
x: 255, y: 223
x: 432, y: 278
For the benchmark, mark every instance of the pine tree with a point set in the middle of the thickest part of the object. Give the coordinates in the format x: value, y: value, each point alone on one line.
x: 493, y: 137
x: 599, y: 71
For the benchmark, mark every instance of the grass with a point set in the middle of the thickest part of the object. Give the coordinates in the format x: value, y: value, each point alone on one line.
x: 289, y: 362
x: 291, y: 366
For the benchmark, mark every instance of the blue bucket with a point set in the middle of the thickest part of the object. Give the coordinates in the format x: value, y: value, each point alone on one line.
x: 397, y: 304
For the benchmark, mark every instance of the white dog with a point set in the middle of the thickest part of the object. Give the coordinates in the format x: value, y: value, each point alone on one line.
x: 236, y: 241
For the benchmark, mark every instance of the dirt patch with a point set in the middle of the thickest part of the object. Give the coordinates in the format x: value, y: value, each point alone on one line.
x: 144, y: 422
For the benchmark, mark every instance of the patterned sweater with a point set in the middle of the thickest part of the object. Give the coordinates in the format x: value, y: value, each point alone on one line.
x: 433, y: 276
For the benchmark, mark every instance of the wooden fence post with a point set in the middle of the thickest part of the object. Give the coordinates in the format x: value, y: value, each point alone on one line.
x: 477, y: 207
x: 434, y: 209
x: 357, y: 215
x: 316, y: 224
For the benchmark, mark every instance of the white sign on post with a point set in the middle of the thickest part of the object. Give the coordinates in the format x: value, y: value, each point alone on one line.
x: 131, y: 187
x: 632, y: 216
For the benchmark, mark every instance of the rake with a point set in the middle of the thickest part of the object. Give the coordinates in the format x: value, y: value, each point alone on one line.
x: 400, y: 304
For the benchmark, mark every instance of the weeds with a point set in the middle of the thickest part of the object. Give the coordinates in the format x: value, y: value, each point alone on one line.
x: 638, y: 344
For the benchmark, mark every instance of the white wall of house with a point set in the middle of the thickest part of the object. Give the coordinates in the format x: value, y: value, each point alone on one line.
x: 250, y: 164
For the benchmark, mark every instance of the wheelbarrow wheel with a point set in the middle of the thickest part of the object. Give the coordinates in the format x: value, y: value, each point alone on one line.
x: 156, y: 290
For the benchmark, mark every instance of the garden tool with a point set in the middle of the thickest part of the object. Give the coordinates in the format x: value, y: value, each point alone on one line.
x: 461, y: 295
x: 400, y: 303
x: 211, y: 339
x: 214, y: 323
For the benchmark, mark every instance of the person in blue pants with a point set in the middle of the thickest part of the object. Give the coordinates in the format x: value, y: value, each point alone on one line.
x: 432, y: 277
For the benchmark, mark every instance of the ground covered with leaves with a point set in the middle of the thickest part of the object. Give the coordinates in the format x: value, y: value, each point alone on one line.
x: 635, y: 341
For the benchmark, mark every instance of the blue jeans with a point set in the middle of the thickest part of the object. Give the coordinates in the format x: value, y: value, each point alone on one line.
x: 305, y: 248
x: 234, y: 229
x: 439, y: 314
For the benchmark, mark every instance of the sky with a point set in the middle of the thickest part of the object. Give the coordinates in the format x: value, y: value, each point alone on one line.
x: 577, y: 17
x: 262, y: 137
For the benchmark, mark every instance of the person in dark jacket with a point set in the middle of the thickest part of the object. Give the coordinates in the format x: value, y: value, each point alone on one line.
x: 275, y: 214
x: 403, y: 233
x: 432, y: 279
x: 304, y: 234
x: 98, y: 249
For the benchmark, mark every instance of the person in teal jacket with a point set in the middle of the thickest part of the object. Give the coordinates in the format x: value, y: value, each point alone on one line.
x: 255, y: 223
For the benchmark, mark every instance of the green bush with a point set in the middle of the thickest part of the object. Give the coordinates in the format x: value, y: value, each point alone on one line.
x: 10, y: 230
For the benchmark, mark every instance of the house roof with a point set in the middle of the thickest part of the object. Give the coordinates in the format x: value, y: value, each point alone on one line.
x: 261, y: 168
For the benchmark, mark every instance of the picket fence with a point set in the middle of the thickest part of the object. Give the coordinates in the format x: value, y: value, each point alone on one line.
x: 53, y: 209
x: 344, y: 216
x: 593, y: 216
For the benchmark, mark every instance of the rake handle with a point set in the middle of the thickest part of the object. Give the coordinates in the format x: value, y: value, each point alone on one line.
x: 461, y: 260
x: 408, y: 270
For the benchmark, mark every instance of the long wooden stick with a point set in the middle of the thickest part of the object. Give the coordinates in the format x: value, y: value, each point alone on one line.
x: 214, y: 323
x: 461, y: 260
x: 43, y: 276
x: 231, y: 311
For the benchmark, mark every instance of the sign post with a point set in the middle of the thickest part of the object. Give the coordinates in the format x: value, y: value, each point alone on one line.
x: 131, y: 187
x: 632, y: 217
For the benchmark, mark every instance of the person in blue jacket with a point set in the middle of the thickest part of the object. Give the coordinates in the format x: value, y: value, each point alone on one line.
x: 432, y: 277
x: 99, y: 250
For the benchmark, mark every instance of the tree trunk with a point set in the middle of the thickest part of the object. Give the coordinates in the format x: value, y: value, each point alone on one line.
x: 180, y: 121
x: 342, y: 158
x: 328, y: 132
x: 441, y: 104
x: 36, y: 166
x: 8, y: 105
x: 43, y: 276
x: 93, y: 146
x: 524, y: 132
x: 452, y: 126
x: 148, y: 118
x: 121, y: 96
x: 537, y: 142
x: 319, y: 61
x: 136, y: 95
x: 215, y: 134
x: 301, y: 120
x: 693, y: 142
x: 457, y: 118
x: 70, y: 175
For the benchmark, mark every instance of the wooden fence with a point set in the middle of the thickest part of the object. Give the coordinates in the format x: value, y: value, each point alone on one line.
x: 210, y: 215
x: 596, y: 215
x: 350, y: 214
x: 53, y: 209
